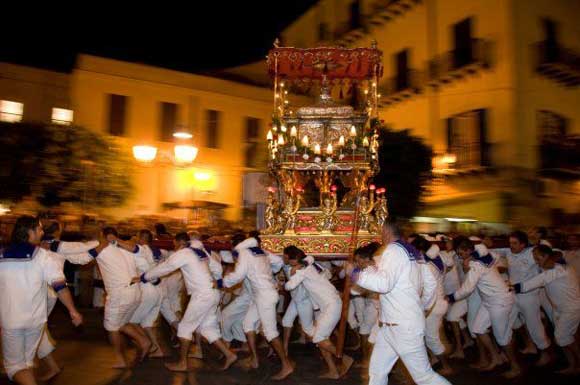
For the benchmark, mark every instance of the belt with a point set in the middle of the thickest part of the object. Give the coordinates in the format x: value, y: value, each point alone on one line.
x: 381, y: 324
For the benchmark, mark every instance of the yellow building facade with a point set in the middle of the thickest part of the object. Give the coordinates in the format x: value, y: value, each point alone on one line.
x: 491, y: 82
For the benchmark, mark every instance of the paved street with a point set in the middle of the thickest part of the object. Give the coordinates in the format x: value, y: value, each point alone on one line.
x: 86, y: 358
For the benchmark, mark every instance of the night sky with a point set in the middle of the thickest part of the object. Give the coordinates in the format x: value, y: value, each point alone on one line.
x: 192, y: 36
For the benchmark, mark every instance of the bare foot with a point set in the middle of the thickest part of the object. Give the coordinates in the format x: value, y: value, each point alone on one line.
x: 283, y: 373
x: 445, y: 371
x: 249, y: 364
x: 195, y: 352
x: 544, y: 360
x: 457, y: 355
x: 144, y: 350
x: 50, y: 374
x: 569, y: 371
x: 120, y: 364
x: 176, y: 366
x: 329, y: 376
x: 156, y: 352
x: 490, y: 367
x: 529, y: 350
x: 230, y: 359
x: 347, y: 362
x: 512, y: 373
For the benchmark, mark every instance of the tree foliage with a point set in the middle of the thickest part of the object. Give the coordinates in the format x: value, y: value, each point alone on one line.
x: 405, y: 170
x: 57, y: 163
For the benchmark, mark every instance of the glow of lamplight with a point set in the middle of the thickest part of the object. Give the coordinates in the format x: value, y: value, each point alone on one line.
x: 352, y: 131
x: 317, y: 148
x: 144, y: 153
x: 293, y: 131
x: 329, y: 149
x: 305, y: 141
x: 341, y: 141
x: 366, y: 142
x: 270, y: 136
x: 283, y: 128
x: 281, y: 140
x: 372, y: 187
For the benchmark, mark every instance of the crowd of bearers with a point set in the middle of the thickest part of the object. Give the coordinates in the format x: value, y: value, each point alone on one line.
x: 407, y: 292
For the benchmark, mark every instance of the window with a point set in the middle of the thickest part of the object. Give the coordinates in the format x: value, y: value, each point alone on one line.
x: 252, y: 142
x: 212, y: 128
x: 463, y: 43
x: 467, y: 139
x: 551, y: 126
x: 62, y: 116
x: 117, y: 114
x: 11, y: 111
x: 168, y: 121
x: 402, y: 66
x: 355, y: 16
x: 551, y: 40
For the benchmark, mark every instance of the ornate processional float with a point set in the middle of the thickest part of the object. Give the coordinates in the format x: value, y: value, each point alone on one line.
x: 322, y: 157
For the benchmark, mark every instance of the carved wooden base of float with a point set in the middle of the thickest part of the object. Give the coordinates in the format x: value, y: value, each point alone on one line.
x: 321, y: 246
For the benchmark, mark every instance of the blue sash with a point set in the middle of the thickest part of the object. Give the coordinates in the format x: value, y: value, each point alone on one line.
x: 20, y: 252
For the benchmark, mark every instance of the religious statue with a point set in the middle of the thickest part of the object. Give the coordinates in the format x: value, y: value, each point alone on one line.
x: 288, y: 215
x: 365, y: 217
x: 327, y: 220
x: 324, y: 185
x: 358, y: 183
x: 271, y: 214
x: 381, y: 211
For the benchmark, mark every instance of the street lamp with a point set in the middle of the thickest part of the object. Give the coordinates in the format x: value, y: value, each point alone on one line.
x: 184, y: 153
x: 144, y: 153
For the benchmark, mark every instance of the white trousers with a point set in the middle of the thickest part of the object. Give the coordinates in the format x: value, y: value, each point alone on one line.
x: 148, y: 310
x: 433, y: 324
x: 304, y: 311
x: 232, y: 318
x: 370, y: 316
x: 528, y: 305
x: 565, y: 327
x: 201, y: 313
x: 47, y: 344
x: 456, y: 311
x: 98, y: 297
x: 406, y: 343
x: 262, y: 312
x: 120, y: 306
x: 19, y: 348
x: 326, y: 322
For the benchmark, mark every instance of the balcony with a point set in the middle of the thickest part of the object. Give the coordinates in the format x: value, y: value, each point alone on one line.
x: 382, y: 11
x: 401, y: 87
x: 560, y: 157
x: 557, y: 63
x: 460, y: 62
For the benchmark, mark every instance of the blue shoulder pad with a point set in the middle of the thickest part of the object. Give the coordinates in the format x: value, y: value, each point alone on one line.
x: 256, y: 251
x: 199, y: 252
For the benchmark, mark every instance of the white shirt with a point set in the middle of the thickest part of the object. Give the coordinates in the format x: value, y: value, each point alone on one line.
x: 298, y: 293
x: 194, y: 268
x: 452, y: 280
x: 489, y: 283
x: 398, y: 281
x: 521, y: 266
x: 253, y: 266
x: 319, y: 288
x: 23, y: 288
x: 117, y: 267
x: 572, y: 258
x: 561, y: 287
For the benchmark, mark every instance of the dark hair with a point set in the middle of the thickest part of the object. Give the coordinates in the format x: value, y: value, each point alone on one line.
x: 394, y: 227
x: 255, y: 234
x: 421, y: 244
x: 182, y: 237
x: 542, y: 231
x: 521, y: 236
x: 52, y: 228
x: 367, y: 251
x: 462, y: 243
x: 147, y: 235
x: 294, y: 253
x: 110, y: 230
x: 22, y: 226
x: 160, y: 229
x: 237, y: 239
x: 544, y: 250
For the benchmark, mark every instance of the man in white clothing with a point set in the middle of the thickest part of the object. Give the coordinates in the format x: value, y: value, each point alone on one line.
x: 401, y: 321
x: 254, y: 265
x: 25, y: 272
x: 201, y: 312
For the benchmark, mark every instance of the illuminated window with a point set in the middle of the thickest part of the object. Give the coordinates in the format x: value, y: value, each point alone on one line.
x: 467, y: 139
x: 62, y: 116
x: 11, y: 111
x: 212, y: 128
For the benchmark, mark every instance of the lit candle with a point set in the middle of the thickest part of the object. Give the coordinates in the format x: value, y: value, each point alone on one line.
x: 372, y: 187
x: 317, y: 149
x: 329, y: 149
x: 280, y: 140
x: 352, y: 131
x: 283, y: 128
x: 341, y: 141
x: 293, y: 132
x: 366, y: 142
x: 270, y: 137
x: 305, y: 141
